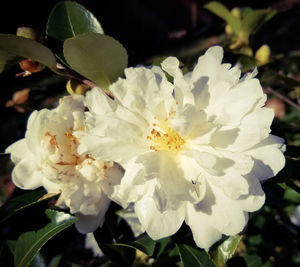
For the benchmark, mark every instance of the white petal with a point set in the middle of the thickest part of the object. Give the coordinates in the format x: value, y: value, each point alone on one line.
x: 89, y: 223
x: 37, y: 130
x: 204, y: 233
x: 158, y: 225
x: 182, y: 89
x: 247, y: 95
x: 268, y: 157
x: 256, y: 197
x: 98, y: 102
x: 254, y: 128
x: 218, y: 211
x: 164, y: 167
x: 27, y: 175
x: 133, y: 185
x: 18, y: 150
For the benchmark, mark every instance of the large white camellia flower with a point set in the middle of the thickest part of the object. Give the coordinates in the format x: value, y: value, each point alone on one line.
x: 48, y: 157
x: 195, y: 149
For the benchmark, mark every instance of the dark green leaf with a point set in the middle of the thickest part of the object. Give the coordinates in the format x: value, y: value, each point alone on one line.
x: 192, y: 257
x: 27, y: 48
x: 7, y: 59
x: 161, y: 245
x: 29, y: 243
x: 38, y: 260
x: 225, y: 250
x: 22, y: 202
x: 247, y: 63
x: 253, y: 20
x: 99, y: 58
x: 55, y: 261
x: 69, y: 19
x: 253, y: 260
x: 221, y: 11
x: 144, y: 244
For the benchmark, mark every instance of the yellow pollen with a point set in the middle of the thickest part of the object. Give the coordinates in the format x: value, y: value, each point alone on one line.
x: 165, y: 139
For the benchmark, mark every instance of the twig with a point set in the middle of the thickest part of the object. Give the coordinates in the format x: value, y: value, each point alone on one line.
x: 282, y: 97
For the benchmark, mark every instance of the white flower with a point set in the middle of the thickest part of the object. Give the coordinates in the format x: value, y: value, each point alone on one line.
x: 295, y: 218
x: 194, y: 150
x: 48, y: 157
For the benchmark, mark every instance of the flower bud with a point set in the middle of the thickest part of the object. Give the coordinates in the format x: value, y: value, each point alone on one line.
x: 262, y: 55
x: 30, y: 66
x: 30, y: 34
x: 76, y: 87
x: 278, y: 106
x: 236, y: 12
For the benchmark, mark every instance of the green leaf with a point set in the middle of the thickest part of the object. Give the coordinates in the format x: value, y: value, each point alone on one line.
x: 69, y: 19
x: 38, y: 260
x: 7, y: 59
x: 27, y: 48
x: 253, y: 260
x: 192, y: 257
x: 253, y: 20
x: 55, y: 261
x: 97, y: 57
x: 248, y: 63
x: 221, y: 11
x: 225, y: 251
x: 29, y: 243
x: 22, y: 202
x: 144, y: 244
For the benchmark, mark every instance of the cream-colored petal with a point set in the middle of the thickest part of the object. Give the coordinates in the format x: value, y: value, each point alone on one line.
x: 18, y: 150
x: 268, y: 157
x: 27, y: 175
x: 158, y: 225
x: 89, y: 223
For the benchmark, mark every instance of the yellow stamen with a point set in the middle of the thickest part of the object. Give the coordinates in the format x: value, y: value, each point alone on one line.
x: 165, y: 139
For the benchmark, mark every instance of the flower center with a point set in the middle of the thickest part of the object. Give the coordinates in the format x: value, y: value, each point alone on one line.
x: 166, y: 138
x: 64, y: 161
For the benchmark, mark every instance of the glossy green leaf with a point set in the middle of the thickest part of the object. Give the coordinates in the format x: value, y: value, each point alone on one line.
x: 69, y: 19
x: 221, y: 11
x: 22, y: 202
x: 27, y: 48
x: 29, y: 243
x: 144, y: 244
x: 225, y: 251
x: 97, y: 57
x: 253, y: 20
x: 38, y: 260
x: 192, y: 257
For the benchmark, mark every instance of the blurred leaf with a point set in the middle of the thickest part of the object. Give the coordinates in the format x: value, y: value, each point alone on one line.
x: 221, y: 11
x: 55, y: 261
x: 97, y: 57
x: 22, y: 202
x: 144, y: 244
x: 192, y: 257
x: 247, y: 63
x: 225, y: 250
x: 253, y: 20
x: 253, y: 260
x: 29, y: 243
x: 161, y: 245
x: 27, y: 48
x: 69, y: 19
